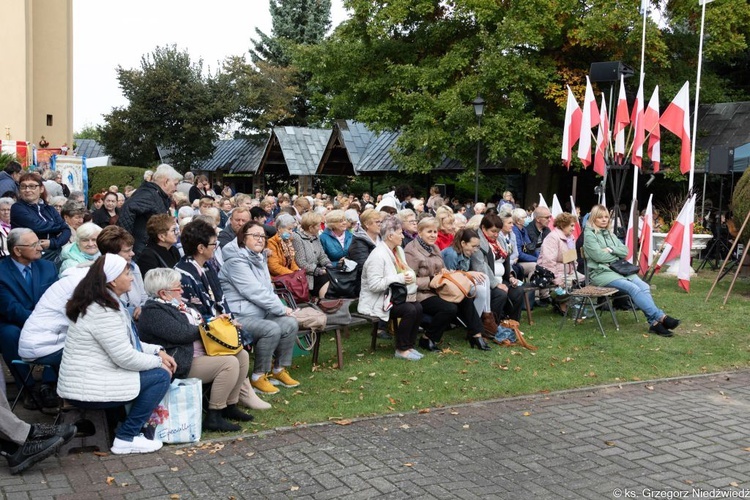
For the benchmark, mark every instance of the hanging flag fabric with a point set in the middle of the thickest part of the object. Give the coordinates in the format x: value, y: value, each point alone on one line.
x: 571, y: 129
x: 673, y: 241
x: 652, y: 129
x: 577, y: 230
x: 630, y: 235
x: 589, y: 120
x: 639, y: 136
x: 554, y: 211
x: 621, y: 121
x: 602, y: 140
x: 684, y: 270
x: 646, y: 254
x: 676, y: 119
x: 542, y: 201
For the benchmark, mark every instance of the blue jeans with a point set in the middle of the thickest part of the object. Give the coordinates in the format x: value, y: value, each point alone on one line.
x: 154, y: 385
x: 640, y: 292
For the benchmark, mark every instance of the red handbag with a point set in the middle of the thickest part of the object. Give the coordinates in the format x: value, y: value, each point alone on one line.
x: 296, y: 283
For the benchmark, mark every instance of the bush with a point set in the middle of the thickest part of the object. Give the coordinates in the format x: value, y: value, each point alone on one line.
x: 741, y: 202
x: 103, y: 177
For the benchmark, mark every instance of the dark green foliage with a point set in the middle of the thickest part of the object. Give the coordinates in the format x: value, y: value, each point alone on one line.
x: 103, y: 177
x: 89, y: 132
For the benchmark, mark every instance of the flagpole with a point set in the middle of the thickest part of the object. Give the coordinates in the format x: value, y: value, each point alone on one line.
x: 691, y: 177
x: 644, y: 9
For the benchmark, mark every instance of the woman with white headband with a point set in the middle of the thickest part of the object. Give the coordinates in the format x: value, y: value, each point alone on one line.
x: 104, y: 363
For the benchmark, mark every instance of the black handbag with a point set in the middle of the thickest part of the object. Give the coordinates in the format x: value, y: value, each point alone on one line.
x: 623, y: 267
x: 395, y: 295
x: 342, y: 284
x: 542, y: 277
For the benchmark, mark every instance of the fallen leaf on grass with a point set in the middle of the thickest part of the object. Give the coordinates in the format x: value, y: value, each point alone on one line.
x: 352, y: 378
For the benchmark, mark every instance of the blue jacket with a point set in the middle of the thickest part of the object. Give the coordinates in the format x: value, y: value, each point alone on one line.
x: 7, y: 183
x: 149, y: 199
x: 332, y: 247
x: 16, y: 299
x: 43, y: 219
x: 523, y: 240
x: 455, y: 262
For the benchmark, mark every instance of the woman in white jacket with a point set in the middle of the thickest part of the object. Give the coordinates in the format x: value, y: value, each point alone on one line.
x: 385, y: 266
x: 104, y: 363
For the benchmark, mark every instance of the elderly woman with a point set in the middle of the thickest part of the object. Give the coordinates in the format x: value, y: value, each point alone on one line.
x: 104, y: 363
x: 281, y: 252
x: 554, y: 246
x: 108, y: 214
x: 526, y: 259
x: 409, y: 222
x: 160, y: 250
x: 602, y: 248
x: 310, y: 255
x: 57, y: 202
x: 83, y: 250
x: 493, y: 260
x: 73, y: 214
x: 167, y: 320
x: 33, y: 212
x: 424, y: 257
x: 116, y: 240
x: 5, y: 204
x: 336, y: 239
x: 366, y: 237
x: 385, y: 266
x: 249, y: 294
x: 446, y: 231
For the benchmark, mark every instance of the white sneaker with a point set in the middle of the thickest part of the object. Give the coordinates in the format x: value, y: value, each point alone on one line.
x: 139, y: 445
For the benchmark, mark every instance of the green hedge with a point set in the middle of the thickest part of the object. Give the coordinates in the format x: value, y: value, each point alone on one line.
x: 741, y: 202
x: 103, y: 177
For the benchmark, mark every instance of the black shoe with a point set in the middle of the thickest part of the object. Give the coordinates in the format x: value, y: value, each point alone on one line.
x: 233, y: 413
x: 46, y: 431
x: 542, y: 302
x: 479, y: 343
x: 33, y: 451
x: 215, y: 422
x: 670, y: 322
x: 660, y: 329
x: 48, y: 396
x: 31, y: 399
x: 429, y: 345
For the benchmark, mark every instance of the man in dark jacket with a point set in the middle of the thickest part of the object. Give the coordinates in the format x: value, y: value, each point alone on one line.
x: 149, y: 199
x: 538, y: 229
x: 9, y: 177
x: 238, y: 218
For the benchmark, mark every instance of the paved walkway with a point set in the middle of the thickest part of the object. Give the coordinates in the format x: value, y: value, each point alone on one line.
x: 682, y: 438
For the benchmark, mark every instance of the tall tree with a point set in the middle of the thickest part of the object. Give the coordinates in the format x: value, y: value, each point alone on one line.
x: 415, y: 65
x: 171, y: 104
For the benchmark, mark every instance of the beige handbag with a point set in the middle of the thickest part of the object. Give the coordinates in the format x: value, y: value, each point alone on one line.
x: 454, y: 286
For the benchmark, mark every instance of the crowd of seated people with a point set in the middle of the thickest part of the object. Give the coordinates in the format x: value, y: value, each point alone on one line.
x: 125, y: 288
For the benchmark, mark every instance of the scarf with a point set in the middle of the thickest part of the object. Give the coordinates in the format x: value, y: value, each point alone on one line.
x: 192, y: 315
x: 497, y: 250
x: 288, y: 250
x: 428, y: 248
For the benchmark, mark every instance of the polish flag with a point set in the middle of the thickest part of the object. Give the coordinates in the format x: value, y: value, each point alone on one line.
x: 637, y: 119
x: 577, y: 230
x: 630, y: 235
x: 676, y: 119
x: 589, y: 120
x: 621, y: 121
x: 602, y: 140
x: 571, y: 129
x: 542, y: 201
x: 651, y: 125
x: 554, y: 211
x: 647, y: 238
x: 678, y: 242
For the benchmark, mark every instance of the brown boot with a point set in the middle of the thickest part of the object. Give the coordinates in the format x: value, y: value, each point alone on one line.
x: 490, y: 325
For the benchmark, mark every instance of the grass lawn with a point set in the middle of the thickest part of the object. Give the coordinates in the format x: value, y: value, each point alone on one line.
x: 711, y: 338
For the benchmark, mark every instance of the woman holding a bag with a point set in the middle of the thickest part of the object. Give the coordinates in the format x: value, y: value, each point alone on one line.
x: 166, y: 319
x: 557, y: 242
x: 424, y: 256
x: 602, y: 248
x: 383, y: 277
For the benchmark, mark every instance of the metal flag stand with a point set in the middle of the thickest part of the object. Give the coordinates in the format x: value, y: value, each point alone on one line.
x: 729, y: 255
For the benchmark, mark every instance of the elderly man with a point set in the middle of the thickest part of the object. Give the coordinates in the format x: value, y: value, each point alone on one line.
x: 149, y: 199
x: 24, y: 277
x: 538, y: 229
x: 186, y: 183
x: 238, y: 218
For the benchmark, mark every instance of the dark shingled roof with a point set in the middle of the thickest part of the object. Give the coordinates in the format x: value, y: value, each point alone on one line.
x: 723, y: 124
x: 295, y: 150
x: 89, y: 148
x: 233, y: 155
x: 377, y: 156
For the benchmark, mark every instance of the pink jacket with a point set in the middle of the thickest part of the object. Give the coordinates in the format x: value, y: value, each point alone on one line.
x: 551, y: 255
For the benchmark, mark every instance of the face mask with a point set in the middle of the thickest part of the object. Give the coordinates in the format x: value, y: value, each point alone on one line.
x: 286, y: 236
x: 175, y: 302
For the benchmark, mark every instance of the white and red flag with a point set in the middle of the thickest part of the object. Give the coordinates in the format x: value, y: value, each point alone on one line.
x: 602, y: 140
x: 651, y: 125
x: 554, y: 211
x: 589, y: 120
x: 577, y: 231
x: 676, y: 119
x: 678, y: 242
x: 647, y: 238
x: 571, y: 129
x: 639, y: 137
x: 621, y: 121
x: 542, y: 201
x: 630, y: 235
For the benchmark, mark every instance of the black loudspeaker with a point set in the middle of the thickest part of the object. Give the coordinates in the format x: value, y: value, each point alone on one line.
x: 720, y: 160
x: 609, y: 71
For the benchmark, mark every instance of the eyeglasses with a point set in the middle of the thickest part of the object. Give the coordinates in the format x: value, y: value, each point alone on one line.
x: 213, y: 244
x: 258, y: 237
x: 174, y: 289
x: 36, y: 244
x: 411, y: 221
x: 29, y: 187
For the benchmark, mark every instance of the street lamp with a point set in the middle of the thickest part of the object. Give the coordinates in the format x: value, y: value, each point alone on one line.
x: 478, y: 104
